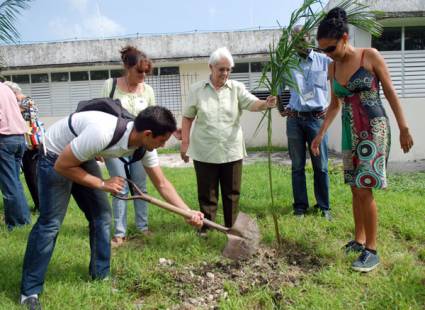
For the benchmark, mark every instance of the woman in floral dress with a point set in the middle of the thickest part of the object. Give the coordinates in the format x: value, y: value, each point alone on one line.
x: 356, y: 76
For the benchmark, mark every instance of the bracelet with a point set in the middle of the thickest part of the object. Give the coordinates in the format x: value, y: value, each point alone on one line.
x: 102, y: 185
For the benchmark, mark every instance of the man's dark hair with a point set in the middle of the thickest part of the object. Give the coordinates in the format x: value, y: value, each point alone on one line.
x: 157, y: 119
x: 334, y: 25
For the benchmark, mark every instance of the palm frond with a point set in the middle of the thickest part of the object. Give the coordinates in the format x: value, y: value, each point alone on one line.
x: 9, y: 10
x: 358, y: 15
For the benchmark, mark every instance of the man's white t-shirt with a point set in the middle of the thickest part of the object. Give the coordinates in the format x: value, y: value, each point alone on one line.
x: 94, y: 132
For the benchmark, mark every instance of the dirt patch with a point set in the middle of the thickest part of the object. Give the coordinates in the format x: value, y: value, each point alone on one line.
x: 202, y: 286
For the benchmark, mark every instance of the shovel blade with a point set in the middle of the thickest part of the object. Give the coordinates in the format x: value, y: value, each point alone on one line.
x: 243, y: 238
x: 246, y: 227
x: 239, y: 248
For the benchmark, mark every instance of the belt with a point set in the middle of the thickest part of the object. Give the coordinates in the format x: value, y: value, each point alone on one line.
x: 317, y: 114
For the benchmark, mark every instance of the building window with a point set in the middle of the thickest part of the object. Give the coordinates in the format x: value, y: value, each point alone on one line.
x: 155, y: 71
x: 40, y: 78
x: 414, y: 38
x: 257, y: 66
x: 21, y: 79
x: 6, y: 77
x: 169, y: 70
x: 390, y: 40
x: 79, y: 76
x: 59, y: 76
x: 99, y: 75
x: 241, y: 67
x: 117, y: 73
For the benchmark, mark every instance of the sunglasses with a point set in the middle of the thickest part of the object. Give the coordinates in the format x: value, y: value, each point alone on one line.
x: 143, y: 71
x: 329, y: 49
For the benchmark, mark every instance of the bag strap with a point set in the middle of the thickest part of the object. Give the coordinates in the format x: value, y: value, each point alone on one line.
x: 70, y: 124
x: 121, y: 126
x: 137, y: 155
x: 114, y: 85
x: 119, y: 131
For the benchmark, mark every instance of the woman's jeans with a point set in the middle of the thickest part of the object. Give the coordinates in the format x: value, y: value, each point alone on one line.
x: 301, y: 130
x: 55, y: 191
x: 16, y: 212
x: 119, y: 206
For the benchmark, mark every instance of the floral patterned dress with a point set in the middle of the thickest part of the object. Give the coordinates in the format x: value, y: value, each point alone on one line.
x: 366, y: 133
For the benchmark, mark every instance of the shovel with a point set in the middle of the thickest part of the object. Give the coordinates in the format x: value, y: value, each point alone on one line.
x: 243, y: 236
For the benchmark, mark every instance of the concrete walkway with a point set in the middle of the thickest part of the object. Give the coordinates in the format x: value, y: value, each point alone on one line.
x: 174, y: 160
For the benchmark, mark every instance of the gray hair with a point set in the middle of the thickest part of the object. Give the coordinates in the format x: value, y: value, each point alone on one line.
x: 219, y: 54
x: 297, y: 28
x: 14, y: 87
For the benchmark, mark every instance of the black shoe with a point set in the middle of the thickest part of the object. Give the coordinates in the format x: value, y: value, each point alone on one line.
x: 299, y: 213
x: 316, y: 209
x: 203, y: 232
x: 327, y: 215
x: 32, y: 303
x: 353, y: 246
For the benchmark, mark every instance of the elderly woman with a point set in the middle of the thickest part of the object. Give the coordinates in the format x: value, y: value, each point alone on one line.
x: 216, y: 144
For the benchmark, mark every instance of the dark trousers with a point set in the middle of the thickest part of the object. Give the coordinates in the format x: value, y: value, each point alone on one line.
x: 29, y: 167
x: 301, y: 131
x: 209, y: 176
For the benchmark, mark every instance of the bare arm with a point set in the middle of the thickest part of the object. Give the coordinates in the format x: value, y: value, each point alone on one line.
x: 70, y: 167
x: 261, y: 105
x: 381, y: 70
x: 186, y: 125
x: 164, y: 187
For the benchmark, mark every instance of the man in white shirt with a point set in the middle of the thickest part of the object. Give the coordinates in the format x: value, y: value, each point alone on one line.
x: 69, y: 168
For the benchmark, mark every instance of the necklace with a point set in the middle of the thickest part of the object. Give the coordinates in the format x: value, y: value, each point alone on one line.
x: 130, y: 90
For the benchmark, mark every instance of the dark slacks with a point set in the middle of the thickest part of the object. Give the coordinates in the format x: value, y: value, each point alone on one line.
x: 209, y: 176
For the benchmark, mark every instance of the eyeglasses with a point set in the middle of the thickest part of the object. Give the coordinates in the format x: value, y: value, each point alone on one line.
x: 143, y: 71
x: 329, y: 49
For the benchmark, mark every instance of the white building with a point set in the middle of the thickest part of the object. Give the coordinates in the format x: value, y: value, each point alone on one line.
x: 59, y: 75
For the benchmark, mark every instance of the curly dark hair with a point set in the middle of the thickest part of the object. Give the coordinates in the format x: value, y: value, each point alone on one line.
x: 334, y: 25
x: 132, y: 56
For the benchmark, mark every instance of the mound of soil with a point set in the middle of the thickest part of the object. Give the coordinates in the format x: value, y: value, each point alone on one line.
x: 202, y: 286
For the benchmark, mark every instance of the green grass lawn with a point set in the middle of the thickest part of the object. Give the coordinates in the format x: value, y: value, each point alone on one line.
x: 311, y: 272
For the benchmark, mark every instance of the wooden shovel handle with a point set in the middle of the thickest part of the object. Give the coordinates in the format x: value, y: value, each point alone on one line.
x: 168, y: 206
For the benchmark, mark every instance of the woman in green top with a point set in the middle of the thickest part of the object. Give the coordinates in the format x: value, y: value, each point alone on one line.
x: 216, y: 144
x: 135, y: 95
x: 356, y: 75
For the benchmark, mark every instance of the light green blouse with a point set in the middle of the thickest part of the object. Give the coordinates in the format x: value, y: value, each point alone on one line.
x: 217, y: 134
x: 132, y: 102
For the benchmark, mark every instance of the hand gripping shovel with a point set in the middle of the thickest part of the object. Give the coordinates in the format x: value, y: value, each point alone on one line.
x: 243, y: 236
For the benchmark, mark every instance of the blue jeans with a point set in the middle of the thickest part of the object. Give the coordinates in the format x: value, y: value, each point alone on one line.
x: 55, y: 191
x: 301, y: 130
x: 16, y: 212
x: 119, y: 206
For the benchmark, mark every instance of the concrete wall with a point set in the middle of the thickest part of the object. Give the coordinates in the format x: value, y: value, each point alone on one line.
x: 388, y: 5
x: 158, y: 47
